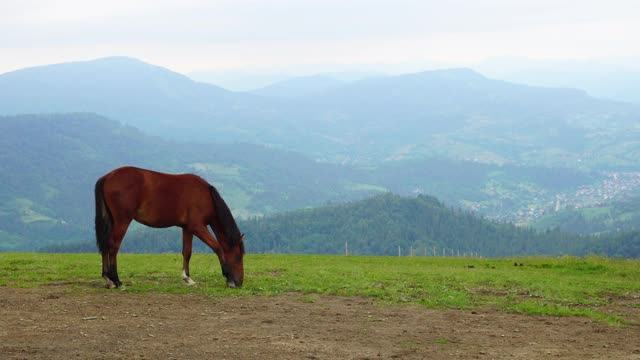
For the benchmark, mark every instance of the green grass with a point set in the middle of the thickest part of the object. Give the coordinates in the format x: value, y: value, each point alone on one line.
x: 542, y: 286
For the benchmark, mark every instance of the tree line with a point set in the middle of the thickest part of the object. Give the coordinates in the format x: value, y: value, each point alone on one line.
x: 385, y: 225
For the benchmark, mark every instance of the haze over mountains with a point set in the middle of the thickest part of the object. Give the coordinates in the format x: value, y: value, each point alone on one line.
x: 616, y: 80
x: 49, y: 165
x: 300, y: 86
x: 507, y: 151
x: 455, y: 113
x: 619, y: 82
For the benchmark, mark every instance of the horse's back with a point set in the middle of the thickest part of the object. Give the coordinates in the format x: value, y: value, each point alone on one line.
x: 157, y: 199
x: 135, y: 177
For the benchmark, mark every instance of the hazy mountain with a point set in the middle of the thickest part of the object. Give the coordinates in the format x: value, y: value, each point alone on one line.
x: 461, y: 114
x: 454, y: 113
x: 508, y: 151
x: 617, y: 82
x: 50, y: 163
x: 300, y: 86
x: 122, y: 88
x: 238, y: 80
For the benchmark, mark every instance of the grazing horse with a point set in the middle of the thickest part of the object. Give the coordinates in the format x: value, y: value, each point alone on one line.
x: 163, y: 200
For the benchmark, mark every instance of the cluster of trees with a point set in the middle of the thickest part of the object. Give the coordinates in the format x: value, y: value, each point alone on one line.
x: 622, y: 245
x: 382, y: 224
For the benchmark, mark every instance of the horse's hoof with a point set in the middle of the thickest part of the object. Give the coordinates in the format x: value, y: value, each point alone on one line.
x: 109, y: 284
x: 187, y: 279
x: 188, y: 282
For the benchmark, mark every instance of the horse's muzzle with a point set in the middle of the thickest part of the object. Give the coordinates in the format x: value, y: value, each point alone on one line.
x: 234, y: 283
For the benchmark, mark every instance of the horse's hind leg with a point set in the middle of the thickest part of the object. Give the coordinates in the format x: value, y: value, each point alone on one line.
x: 187, y: 242
x: 110, y: 274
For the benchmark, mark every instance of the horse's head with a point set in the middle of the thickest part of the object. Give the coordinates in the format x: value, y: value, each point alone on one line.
x: 233, y: 269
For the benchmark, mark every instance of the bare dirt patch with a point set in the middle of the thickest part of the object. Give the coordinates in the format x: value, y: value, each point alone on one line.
x: 55, y: 322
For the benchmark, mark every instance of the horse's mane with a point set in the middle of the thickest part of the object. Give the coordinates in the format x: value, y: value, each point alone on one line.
x: 226, y: 220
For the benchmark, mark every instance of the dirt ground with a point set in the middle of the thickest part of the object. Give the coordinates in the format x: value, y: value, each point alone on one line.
x: 55, y: 323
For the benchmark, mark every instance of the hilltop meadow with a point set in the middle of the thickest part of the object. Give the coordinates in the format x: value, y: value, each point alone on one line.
x: 532, y: 285
x: 321, y: 306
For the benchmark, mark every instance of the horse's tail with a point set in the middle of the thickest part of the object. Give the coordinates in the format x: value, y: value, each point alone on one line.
x: 104, y: 221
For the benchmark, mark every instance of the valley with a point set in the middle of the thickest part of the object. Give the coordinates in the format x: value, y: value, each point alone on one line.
x: 535, y: 157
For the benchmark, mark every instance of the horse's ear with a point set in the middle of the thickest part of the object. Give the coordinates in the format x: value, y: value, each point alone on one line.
x: 241, y: 236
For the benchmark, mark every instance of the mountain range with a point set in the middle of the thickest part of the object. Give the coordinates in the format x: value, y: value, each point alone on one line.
x: 49, y: 164
x: 506, y: 151
x: 456, y: 113
x: 297, y: 87
x: 620, y: 82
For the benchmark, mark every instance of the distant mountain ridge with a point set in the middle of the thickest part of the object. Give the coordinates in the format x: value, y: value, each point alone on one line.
x: 454, y: 113
x: 300, y: 86
x: 128, y: 89
x: 619, y: 82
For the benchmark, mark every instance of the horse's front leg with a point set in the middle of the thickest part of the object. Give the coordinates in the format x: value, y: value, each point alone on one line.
x: 187, y: 242
x: 203, y: 234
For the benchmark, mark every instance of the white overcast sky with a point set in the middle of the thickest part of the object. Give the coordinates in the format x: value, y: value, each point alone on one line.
x: 197, y: 35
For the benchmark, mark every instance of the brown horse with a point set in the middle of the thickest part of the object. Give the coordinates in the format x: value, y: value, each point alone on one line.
x: 163, y: 200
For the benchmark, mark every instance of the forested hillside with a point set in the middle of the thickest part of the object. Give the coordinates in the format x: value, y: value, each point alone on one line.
x: 379, y: 225
x: 49, y: 164
x: 384, y: 225
x: 418, y: 225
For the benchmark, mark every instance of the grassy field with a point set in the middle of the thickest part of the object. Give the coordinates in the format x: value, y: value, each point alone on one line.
x: 551, y: 286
